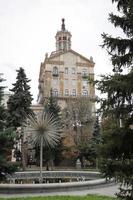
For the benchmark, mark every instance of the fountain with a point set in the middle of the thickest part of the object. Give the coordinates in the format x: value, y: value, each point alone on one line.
x: 53, y: 181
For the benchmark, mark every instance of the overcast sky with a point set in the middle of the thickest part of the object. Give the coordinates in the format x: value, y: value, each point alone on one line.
x: 28, y: 28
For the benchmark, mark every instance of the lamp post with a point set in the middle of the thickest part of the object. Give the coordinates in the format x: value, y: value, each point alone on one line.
x: 76, y: 126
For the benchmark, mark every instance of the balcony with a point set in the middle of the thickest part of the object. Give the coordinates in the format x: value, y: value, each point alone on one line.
x: 84, y: 75
x: 55, y: 74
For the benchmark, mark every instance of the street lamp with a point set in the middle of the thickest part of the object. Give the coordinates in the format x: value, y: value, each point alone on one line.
x: 76, y: 125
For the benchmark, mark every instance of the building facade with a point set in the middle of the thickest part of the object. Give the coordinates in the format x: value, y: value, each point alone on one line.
x: 68, y: 74
x: 65, y: 71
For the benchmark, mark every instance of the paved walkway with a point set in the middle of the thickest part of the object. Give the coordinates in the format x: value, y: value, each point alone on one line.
x: 107, y: 191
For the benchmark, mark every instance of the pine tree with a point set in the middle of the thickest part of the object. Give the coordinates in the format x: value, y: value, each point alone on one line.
x: 117, y: 108
x: 20, y: 101
x: 52, y: 106
x: 95, y: 140
x: 19, y: 108
x: 93, y: 144
x: 96, y: 135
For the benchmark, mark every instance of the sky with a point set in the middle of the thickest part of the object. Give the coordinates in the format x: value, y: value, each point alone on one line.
x: 28, y: 29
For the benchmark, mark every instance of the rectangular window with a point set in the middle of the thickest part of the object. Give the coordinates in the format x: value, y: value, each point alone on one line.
x: 85, y: 93
x: 85, y: 83
x: 66, y: 82
x: 60, y: 45
x: 66, y: 70
x: 84, y: 72
x: 73, y: 70
x: 55, y: 81
x: 74, y: 92
x: 74, y: 82
x: 55, y: 92
x: 66, y: 92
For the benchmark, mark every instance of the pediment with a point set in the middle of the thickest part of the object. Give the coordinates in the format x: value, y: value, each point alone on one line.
x: 71, y: 54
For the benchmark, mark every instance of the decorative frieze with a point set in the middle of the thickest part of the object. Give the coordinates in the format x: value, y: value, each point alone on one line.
x: 54, y: 62
x: 87, y: 64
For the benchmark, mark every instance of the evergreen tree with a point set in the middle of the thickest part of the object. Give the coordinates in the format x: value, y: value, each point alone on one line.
x: 96, y: 135
x: 6, y: 146
x: 18, y: 107
x: 20, y: 101
x: 94, y: 142
x: 6, y: 141
x: 117, y: 108
x: 92, y: 147
x: 51, y: 106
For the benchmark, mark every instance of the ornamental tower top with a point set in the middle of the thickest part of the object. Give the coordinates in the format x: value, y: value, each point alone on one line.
x: 63, y: 38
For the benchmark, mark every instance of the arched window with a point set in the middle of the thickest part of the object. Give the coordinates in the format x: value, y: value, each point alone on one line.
x: 55, y: 71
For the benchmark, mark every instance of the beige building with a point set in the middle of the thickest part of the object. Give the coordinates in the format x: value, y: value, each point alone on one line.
x: 65, y: 71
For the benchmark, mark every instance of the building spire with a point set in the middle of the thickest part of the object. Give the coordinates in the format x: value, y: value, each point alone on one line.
x: 63, y: 24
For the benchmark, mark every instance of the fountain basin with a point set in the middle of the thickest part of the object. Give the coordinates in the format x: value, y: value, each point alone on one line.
x: 80, y: 184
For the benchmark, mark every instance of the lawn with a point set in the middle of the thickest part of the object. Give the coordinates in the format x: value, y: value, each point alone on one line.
x: 88, y: 197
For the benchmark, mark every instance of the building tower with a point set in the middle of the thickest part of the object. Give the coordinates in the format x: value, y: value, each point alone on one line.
x: 63, y: 39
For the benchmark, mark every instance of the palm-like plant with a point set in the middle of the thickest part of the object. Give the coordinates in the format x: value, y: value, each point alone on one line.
x: 46, y: 132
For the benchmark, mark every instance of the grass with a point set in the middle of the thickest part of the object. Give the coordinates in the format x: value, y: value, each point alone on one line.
x: 87, y: 197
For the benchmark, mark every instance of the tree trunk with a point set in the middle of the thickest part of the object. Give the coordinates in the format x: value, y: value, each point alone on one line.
x: 41, y: 160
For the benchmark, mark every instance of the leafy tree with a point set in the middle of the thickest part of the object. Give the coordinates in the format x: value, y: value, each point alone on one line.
x: 6, y: 141
x: 117, y: 149
x: 46, y: 133
x: 20, y: 100
x: 78, y: 113
x: 78, y: 116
